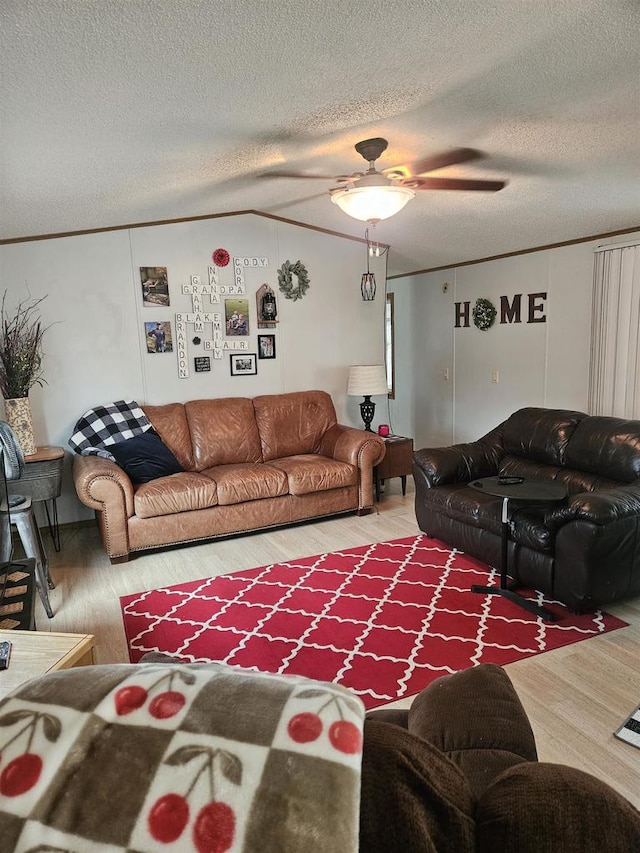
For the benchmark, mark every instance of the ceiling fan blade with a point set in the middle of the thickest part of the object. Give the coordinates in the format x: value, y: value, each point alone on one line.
x: 275, y: 208
x: 465, y: 184
x: 300, y: 175
x: 437, y: 161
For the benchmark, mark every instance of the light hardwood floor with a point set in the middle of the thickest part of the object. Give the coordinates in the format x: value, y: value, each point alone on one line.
x: 575, y: 697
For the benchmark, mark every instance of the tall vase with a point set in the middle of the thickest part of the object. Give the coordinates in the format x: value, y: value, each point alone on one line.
x: 18, y: 414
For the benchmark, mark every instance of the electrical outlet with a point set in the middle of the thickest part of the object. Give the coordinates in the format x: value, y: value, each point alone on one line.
x: 445, y: 373
x: 495, y: 376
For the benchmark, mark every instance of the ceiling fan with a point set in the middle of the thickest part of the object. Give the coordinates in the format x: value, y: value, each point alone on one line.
x: 375, y: 195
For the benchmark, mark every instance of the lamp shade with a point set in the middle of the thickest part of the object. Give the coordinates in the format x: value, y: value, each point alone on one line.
x: 370, y: 204
x: 366, y: 380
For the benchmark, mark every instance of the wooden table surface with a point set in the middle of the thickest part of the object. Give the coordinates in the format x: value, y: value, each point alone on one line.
x: 35, y: 653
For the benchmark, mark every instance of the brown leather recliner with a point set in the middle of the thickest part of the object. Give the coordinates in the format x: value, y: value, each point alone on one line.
x: 585, y: 551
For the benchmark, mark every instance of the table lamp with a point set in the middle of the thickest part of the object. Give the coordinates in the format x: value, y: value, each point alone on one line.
x: 366, y: 380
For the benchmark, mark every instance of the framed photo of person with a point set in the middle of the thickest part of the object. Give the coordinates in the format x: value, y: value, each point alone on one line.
x: 236, y: 315
x: 266, y: 346
x: 158, y: 337
x: 243, y: 364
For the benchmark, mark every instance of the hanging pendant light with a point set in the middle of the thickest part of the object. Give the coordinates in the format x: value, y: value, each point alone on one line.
x: 368, y: 282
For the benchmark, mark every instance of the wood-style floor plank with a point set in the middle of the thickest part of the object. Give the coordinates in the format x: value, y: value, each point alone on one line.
x: 575, y: 696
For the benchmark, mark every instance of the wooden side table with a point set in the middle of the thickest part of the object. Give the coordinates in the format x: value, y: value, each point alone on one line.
x: 35, y: 653
x: 42, y: 481
x: 397, y: 462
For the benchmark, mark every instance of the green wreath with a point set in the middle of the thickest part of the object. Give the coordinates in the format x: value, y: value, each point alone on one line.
x: 484, y: 313
x: 285, y: 280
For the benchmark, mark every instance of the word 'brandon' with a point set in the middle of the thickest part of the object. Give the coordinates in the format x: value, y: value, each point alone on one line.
x: 510, y: 312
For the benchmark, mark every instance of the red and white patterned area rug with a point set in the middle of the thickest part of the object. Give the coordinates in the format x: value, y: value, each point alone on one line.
x: 383, y: 620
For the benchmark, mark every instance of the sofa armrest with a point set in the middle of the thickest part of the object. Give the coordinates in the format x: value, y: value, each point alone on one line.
x: 106, y: 488
x: 100, y: 481
x: 357, y: 447
x: 602, y: 506
x: 458, y: 463
x: 354, y: 446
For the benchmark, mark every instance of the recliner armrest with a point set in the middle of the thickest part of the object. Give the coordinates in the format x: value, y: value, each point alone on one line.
x: 460, y: 462
x: 477, y: 719
x: 602, y: 506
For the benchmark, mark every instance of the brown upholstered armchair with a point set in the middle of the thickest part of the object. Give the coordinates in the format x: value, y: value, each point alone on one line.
x: 459, y: 772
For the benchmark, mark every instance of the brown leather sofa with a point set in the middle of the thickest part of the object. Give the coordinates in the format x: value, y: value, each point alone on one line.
x: 585, y: 551
x: 249, y: 464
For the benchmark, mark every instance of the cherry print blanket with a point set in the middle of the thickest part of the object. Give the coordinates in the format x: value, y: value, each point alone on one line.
x: 199, y: 757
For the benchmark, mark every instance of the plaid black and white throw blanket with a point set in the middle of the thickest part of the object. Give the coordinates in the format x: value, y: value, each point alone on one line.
x: 179, y: 757
x: 105, y: 425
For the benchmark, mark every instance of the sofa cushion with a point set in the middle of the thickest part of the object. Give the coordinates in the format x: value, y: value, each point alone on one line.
x: 547, y: 808
x: 145, y: 457
x: 608, y: 447
x: 540, y: 434
x: 291, y: 424
x: 247, y: 481
x: 575, y: 481
x: 311, y: 473
x: 170, y: 422
x: 223, y: 432
x: 178, y: 493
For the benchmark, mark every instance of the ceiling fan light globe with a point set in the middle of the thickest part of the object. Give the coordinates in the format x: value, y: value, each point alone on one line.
x: 373, y: 203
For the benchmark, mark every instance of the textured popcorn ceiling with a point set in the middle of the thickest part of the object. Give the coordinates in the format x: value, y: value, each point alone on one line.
x: 124, y: 111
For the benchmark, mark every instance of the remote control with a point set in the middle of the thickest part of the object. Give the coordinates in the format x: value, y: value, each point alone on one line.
x: 5, y: 654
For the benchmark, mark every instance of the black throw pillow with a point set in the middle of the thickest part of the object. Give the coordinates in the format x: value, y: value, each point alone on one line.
x: 144, y: 458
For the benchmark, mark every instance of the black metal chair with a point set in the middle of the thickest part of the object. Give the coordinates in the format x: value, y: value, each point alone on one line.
x: 17, y: 510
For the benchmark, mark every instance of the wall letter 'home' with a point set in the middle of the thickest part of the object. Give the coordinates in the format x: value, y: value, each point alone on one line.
x: 462, y: 314
x: 510, y: 313
x: 536, y: 307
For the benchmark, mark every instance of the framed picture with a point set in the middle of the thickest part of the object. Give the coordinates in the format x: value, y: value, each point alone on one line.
x: 202, y: 363
x: 243, y: 364
x: 158, y: 337
x: 236, y: 315
x: 266, y: 346
x: 155, y: 286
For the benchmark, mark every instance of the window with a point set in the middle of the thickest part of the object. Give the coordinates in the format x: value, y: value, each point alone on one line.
x: 389, y: 332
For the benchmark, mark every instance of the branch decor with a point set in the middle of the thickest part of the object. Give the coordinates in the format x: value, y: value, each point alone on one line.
x: 285, y: 280
x: 20, y: 348
x: 21, y: 336
x: 484, y: 313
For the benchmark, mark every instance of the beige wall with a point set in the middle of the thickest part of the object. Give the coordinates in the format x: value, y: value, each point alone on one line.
x: 540, y: 364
